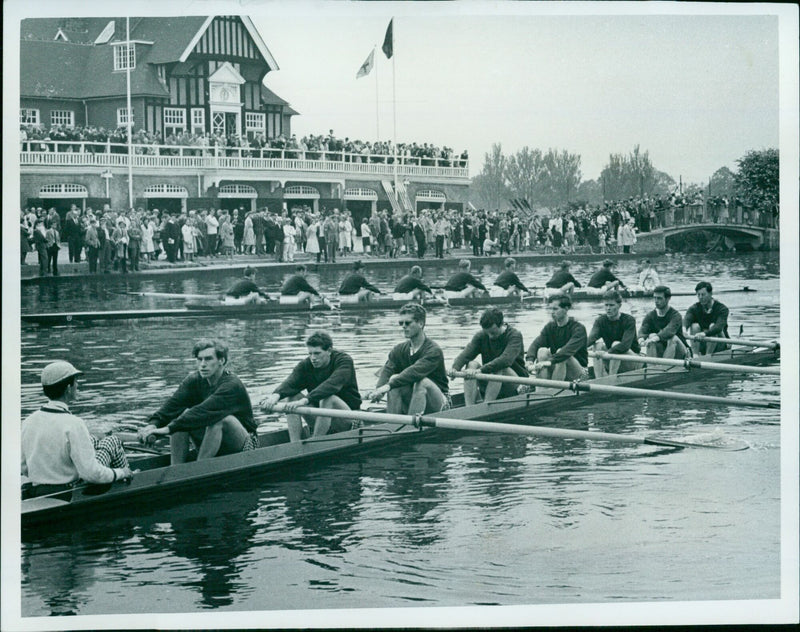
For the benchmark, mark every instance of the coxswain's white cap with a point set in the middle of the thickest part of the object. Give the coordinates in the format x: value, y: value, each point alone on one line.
x: 58, y: 371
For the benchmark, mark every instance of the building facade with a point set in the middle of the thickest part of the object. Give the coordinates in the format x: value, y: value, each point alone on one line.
x: 204, y: 125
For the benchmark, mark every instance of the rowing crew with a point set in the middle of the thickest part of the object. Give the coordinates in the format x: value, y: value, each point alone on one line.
x: 355, y: 288
x: 211, y: 409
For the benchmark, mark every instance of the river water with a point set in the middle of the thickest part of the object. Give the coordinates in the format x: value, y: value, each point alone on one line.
x: 456, y: 521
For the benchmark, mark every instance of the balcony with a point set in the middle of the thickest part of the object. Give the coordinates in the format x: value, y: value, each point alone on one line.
x: 210, y: 159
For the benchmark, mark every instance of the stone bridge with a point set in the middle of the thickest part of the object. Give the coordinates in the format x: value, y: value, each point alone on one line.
x: 740, y: 236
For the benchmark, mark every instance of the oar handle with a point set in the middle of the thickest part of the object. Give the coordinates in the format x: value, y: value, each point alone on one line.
x: 687, y: 363
x: 768, y: 344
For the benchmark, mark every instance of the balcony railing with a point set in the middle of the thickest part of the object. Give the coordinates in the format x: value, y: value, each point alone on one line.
x: 70, y: 153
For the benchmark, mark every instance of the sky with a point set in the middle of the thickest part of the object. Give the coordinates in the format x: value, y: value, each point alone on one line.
x: 696, y: 92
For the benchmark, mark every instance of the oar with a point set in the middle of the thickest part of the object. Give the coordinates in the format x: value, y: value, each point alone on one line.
x: 690, y: 363
x: 578, y: 387
x: 176, y: 295
x: 488, y: 426
x: 769, y: 344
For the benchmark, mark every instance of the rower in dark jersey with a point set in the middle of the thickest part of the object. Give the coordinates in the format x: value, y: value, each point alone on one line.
x: 507, y: 282
x: 411, y: 287
x: 661, y: 333
x: 614, y: 332
x: 562, y: 280
x: 355, y: 288
x: 297, y: 290
x: 604, y: 279
x: 463, y: 284
x: 707, y: 317
x: 559, y: 351
x: 245, y: 290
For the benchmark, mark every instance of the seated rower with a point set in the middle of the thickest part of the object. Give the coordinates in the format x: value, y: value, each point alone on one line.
x: 648, y: 277
x: 411, y: 287
x: 604, y: 279
x: 328, y: 378
x: 355, y: 288
x: 614, y: 332
x: 245, y: 291
x: 463, y: 284
x: 562, y: 280
x: 297, y: 290
x: 507, y: 282
x: 707, y: 317
x: 414, y: 377
x: 559, y: 351
x: 661, y: 334
x: 502, y: 353
x: 210, y: 408
x: 58, y: 452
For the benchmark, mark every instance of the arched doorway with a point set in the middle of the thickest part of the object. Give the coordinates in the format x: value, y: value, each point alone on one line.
x: 430, y: 199
x: 166, y: 197
x: 360, y: 203
x: 301, y: 196
x: 61, y: 197
x: 237, y: 196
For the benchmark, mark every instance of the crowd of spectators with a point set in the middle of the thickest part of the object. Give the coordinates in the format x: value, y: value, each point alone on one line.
x: 311, y: 147
x: 119, y: 240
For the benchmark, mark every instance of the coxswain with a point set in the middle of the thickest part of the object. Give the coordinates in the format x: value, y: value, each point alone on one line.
x: 559, y: 351
x: 661, y: 333
x: 502, y: 353
x: 411, y: 287
x: 707, y: 317
x: 58, y: 452
x: 614, y: 332
x: 245, y: 290
x: 463, y: 284
x: 328, y: 379
x: 297, y: 290
x: 414, y: 377
x: 562, y: 280
x: 355, y: 288
x: 210, y: 409
x: 604, y: 279
x: 507, y: 282
x: 648, y: 277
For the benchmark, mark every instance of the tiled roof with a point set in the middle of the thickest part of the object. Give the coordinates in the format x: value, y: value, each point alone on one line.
x: 77, y: 30
x: 82, y: 72
x: 170, y: 35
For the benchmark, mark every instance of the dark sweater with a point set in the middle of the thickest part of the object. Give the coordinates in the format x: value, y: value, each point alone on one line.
x: 560, y: 278
x: 338, y: 377
x: 428, y: 362
x: 196, y: 404
x: 353, y: 282
x: 508, y: 278
x: 296, y: 284
x: 666, y: 326
x: 712, y: 323
x: 506, y: 351
x: 242, y: 287
x: 410, y: 283
x: 601, y: 277
x: 564, y: 342
x: 460, y: 280
x: 622, y: 330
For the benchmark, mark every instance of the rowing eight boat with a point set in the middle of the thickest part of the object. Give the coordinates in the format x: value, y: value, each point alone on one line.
x: 195, y: 309
x: 156, y: 478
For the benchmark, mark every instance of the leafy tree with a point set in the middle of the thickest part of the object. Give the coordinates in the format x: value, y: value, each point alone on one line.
x: 564, y: 175
x: 758, y: 179
x: 489, y: 188
x: 722, y: 183
x: 589, y: 193
x: 525, y: 172
x: 629, y: 176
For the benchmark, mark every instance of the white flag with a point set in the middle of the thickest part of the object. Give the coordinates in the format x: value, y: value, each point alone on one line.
x: 366, y: 67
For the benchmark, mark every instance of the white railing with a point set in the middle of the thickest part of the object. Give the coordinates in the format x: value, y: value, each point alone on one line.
x: 67, y: 153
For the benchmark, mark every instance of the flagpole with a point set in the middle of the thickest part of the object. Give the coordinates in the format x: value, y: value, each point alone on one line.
x: 130, y: 111
x: 394, y: 112
x: 377, y: 114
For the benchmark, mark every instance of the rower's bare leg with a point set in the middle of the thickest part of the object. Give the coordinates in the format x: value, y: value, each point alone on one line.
x: 323, y: 424
x: 228, y: 435
x: 179, y: 447
x: 426, y: 398
x: 398, y: 400
x: 493, y: 389
x: 570, y: 369
x: 544, y: 355
x: 567, y: 288
x: 613, y: 365
x: 696, y: 344
x: 675, y: 349
x: 652, y: 350
x: 598, y: 363
x: 472, y: 392
x: 294, y: 422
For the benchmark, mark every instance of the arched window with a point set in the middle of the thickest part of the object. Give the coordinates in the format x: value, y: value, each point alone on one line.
x: 237, y: 191
x: 431, y: 196
x: 63, y: 191
x: 165, y: 191
x: 301, y: 192
x: 360, y: 194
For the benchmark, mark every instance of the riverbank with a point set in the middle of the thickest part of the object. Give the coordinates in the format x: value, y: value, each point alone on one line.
x: 69, y: 272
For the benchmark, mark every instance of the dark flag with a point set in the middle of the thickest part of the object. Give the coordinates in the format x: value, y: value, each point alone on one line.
x: 388, y: 41
x: 525, y: 202
x: 515, y: 204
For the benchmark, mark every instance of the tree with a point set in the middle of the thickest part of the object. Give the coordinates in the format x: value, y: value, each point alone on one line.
x: 629, y: 176
x: 564, y: 175
x: 758, y: 179
x: 589, y: 193
x: 525, y: 172
x: 722, y: 183
x: 489, y: 188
